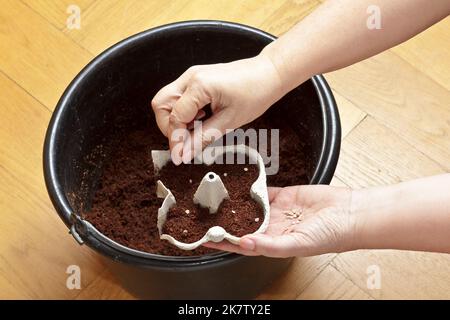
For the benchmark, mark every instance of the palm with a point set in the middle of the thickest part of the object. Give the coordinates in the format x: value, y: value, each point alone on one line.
x: 315, y: 216
x: 304, y: 220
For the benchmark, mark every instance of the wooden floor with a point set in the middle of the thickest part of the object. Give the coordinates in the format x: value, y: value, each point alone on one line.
x: 395, y: 111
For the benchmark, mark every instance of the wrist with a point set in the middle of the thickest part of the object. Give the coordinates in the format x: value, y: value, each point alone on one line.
x: 290, y: 74
x: 358, y: 212
x: 373, y: 209
x: 271, y: 74
x: 348, y: 236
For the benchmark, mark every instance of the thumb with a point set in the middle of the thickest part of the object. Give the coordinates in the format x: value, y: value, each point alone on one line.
x: 184, y: 112
x: 282, y: 246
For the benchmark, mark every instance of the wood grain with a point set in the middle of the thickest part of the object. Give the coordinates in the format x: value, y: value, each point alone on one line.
x: 301, y: 273
x: 35, y: 247
x: 37, y: 56
x: 285, y: 17
x: 415, y: 107
x: 429, y: 52
x: 330, y: 284
x: 372, y: 154
x: 395, y: 121
x: 350, y: 115
x: 56, y: 11
x: 98, y: 33
x: 404, y: 274
x: 104, y: 287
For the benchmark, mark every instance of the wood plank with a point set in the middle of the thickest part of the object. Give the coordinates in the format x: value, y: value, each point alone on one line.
x: 33, y: 237
x: 404, y: 274
x: 399, y: 96
x: 330, y: 284
x: 55, y: 11
x: 289, y: 14
x: 429, y: 52
x: 9, y: 290
x: 350, y: 115
x: 36, y: 55
x: 104, y: 287
x: 374, y: 155
x: 404, y: 91
x: 98, y: 33
x: 302, y: 272
x: 251, y: 12
x: 336, y: 182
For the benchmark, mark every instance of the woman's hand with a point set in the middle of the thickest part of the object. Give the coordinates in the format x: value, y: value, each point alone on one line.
x: 413, y: 215
x: 238, y: 92
x: 325, y: 224
x: 242, y: 90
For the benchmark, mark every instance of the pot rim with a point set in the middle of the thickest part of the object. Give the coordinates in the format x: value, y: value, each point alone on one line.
x: 84, y: 232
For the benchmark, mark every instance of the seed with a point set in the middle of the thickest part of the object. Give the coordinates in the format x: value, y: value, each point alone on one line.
x: 185, y: 231
x: 294, y: 213
x: 245, y: 169
x: 190, y: 180
x: 256, y: 219
x: 232, y: 211
x: 187, y: 211
x: 225, y: 174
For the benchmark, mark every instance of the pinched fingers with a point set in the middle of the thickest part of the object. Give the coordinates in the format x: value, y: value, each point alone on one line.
x: 186, y: 109
x: 166, y: 98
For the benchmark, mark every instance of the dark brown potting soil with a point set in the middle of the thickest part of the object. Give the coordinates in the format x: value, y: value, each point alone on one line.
x: 124, y: 206
x: 188, y: 222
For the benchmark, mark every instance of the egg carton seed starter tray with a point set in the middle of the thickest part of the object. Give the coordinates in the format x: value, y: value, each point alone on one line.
x: 210, y: 194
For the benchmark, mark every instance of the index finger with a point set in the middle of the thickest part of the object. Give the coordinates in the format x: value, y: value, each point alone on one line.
x: 228, y: 246
x: 165, y: 99
x: 184, y: 112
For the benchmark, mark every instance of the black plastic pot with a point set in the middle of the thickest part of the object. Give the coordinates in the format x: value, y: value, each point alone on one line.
x: 113, y: 93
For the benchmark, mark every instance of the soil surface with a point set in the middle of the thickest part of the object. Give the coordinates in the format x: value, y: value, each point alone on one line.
x: 124, y: 205
x: 187, y: 222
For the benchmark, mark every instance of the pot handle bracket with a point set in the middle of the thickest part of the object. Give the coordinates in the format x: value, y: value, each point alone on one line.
x: 77, y: 228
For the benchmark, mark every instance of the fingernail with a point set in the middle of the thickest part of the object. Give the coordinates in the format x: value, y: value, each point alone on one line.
x: 247, y: 244
x: 187, y: 155
x: 176, y: 156
x: 176, y: 160
x: 185, y: 143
